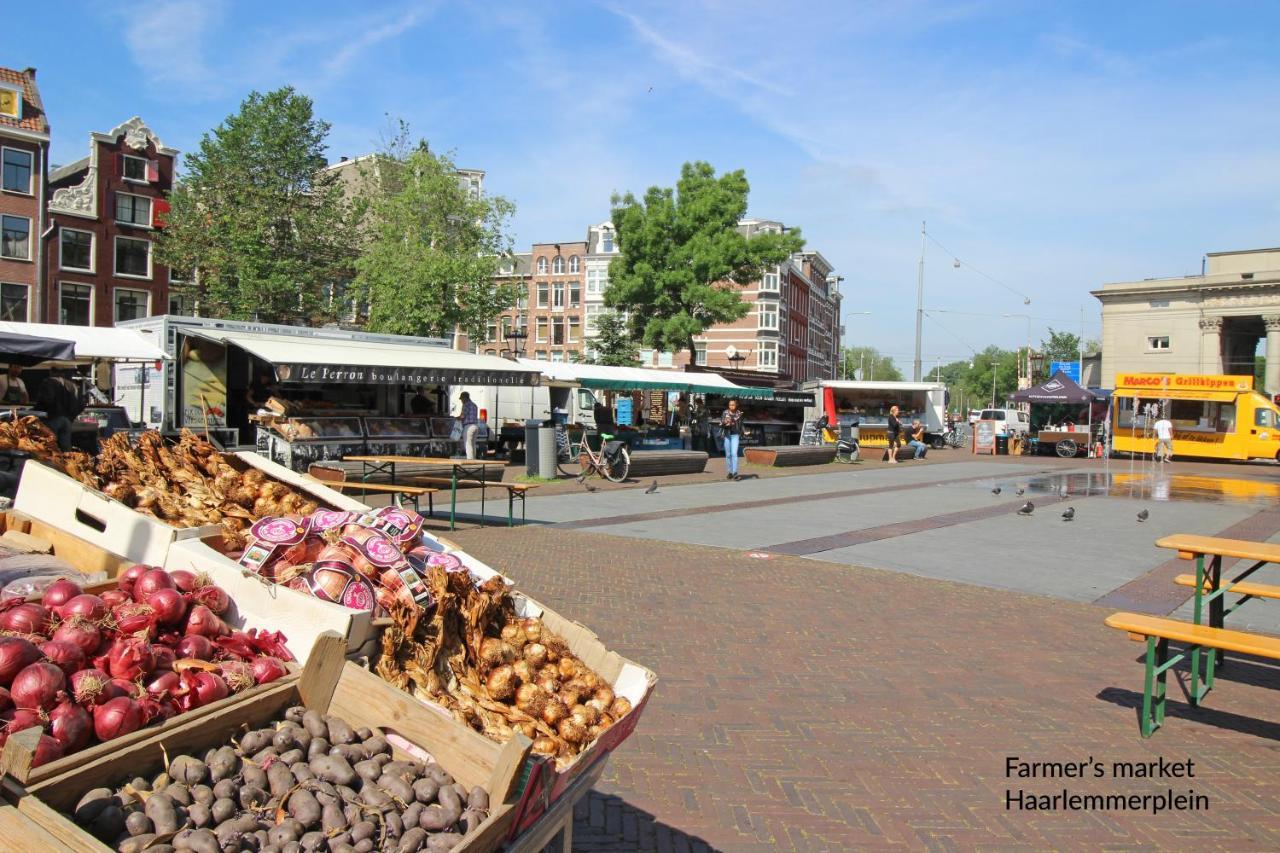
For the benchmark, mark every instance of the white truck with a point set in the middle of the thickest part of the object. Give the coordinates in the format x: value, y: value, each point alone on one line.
x: 504, y: 410
x: 869, y: 402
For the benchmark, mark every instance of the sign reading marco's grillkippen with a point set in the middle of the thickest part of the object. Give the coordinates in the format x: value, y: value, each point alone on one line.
x: 356, y: 374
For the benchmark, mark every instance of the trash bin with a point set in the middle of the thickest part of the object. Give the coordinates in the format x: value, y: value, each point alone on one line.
x: 532, y: 437
x: 547, y: 450
x: 1002, y: 445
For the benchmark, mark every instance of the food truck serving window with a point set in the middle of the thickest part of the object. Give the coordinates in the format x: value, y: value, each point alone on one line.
x: 1205, y: 415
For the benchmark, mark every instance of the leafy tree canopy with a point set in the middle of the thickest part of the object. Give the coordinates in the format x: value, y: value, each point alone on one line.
x: 867, y: 363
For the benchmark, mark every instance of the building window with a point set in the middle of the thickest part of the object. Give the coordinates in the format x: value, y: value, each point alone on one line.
x: 17, y: 171
x: 1159, y: 303
x: 15, y: 237
x: 542, y: 266
x: 557, y: 265
x: 597, y: 281
x: 11, y: 102
x: 646, y: 356
x: 135, y: 168
x: 768, y: 315
x: 13, y: 302
x: 1158, y: 343
x: 557, y: 356
x: 573, y: 264
x: 75, y: 250
x: 132, y: 304
x: 541, y: 325
x: 522, y: 301
x: 575, y: 330
x: 542, y: 294
x: 133, y: 209
x: 769, y: 281
x: 180, y: 305
x: 700, y: 354
x: 75, y: 302
x: 593, y: 311
x: 541, y: 355
x: 133, y: 257
x: 767, y: 355
x: 491, y: 332
x: 606, y: 240
x: 575, y: 294
x: 557, y: 294
x: 557, y: 331
x: 666, y: 359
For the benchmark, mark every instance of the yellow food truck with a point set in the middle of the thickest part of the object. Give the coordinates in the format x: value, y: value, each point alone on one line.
x: 1214, y: 416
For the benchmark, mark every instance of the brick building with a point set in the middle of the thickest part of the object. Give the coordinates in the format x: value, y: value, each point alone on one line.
x: 24, y: 147
x: 105, y: 210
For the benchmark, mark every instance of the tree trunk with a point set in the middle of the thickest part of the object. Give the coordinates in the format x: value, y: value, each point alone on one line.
x: 693, y: 351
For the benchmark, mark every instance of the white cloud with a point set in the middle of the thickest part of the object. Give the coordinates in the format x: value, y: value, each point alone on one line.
x: 168, y: 42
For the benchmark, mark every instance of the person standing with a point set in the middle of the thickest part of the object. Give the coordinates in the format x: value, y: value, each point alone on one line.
x: 731, y: 426
x: 13, y: 391
x: 420, y: 404
x: 893, y: 430
x: 61, y: 403
x: 470, y: 420
x: 917, y: 439
x: 1164, y: 439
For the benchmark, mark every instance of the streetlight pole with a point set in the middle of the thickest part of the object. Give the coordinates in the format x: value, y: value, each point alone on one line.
x: 919, y: 303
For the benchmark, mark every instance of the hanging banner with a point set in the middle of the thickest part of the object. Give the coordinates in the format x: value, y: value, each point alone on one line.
x: 349, y: 374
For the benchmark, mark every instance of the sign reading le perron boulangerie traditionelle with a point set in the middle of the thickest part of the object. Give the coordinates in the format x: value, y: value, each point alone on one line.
x: 357, y: 374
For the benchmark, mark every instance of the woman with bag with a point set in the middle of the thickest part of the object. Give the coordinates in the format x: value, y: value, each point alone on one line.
x: 731, y: 426
x: 894, y: 431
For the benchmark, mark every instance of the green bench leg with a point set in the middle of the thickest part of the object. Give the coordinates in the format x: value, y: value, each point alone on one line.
x: 511, y: 508
x: 1153, y: 692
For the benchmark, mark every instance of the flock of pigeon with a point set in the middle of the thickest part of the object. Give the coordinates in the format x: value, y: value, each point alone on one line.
x: 1068, y: 514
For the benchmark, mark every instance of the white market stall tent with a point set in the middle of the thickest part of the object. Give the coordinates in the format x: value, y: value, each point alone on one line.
x: 606, y: 378
x: 94, y: 342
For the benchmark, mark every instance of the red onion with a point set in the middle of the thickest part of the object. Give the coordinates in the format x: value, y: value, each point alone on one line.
x: 130, y: 658
x: 184, y: 580
x: 165, y: 681
x: 123, y: 687
x: 267, y: 668
x: 28, y: 618
x: 6, y: 702
x: 129, y: 577
x: 82, y: 634
x: 59, y: 593
x: 213, y: 597
x: 134, y: 619
x: 209, y: 688
x: 47, y: 750
x: 237, y: 674
x: 37, y: 686
x: 70, y: 725
x: 16, y: 719
x: 151, y: 580
x: 86, y: 606
x: 115, y: 597
x: 164, y: 656
x: 202, y: 621
x: 68, y: 657
x: 116, y: 718
x: 88, y: 687
x: 168, y: 605
x: 16, y: 654
x: 195, y: 646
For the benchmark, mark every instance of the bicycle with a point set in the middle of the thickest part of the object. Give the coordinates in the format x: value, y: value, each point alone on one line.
x: 956, y: 437
x: 612, y: 468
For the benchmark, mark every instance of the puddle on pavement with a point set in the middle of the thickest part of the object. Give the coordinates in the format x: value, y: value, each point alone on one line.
x: 1148, y: 485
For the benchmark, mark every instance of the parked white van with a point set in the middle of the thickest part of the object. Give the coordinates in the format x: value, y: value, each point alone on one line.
x: 1008, y: 421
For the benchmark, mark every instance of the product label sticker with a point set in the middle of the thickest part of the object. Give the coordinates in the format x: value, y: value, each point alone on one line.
x: 417, y: 587
x: 327, y: 519
x: 448, y: 562
x: 280, y: 530
x: 257, y: 556
x: 376, y: 548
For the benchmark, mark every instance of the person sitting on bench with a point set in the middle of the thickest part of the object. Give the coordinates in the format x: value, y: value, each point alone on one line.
x: 917, y: 439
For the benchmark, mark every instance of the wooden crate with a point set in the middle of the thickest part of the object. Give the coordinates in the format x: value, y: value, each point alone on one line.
x: 329, y: 684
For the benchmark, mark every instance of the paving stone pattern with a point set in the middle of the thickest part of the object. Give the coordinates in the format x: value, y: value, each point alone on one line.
x: 812, y: 706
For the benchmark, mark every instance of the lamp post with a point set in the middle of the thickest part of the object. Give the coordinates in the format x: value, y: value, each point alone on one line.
x: 919, y: 304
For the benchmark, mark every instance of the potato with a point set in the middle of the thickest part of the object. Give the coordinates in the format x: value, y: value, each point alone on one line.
x: 412, y: 840
x: 450, y: 801
x: 188, y: 770
x: 319, y: 746
x: 295, y: 714
x: 471, y: 820
x: 161, y: 781
x: 434, y: 818
x: 92, y: 804
x: 179, y: 793
x: 313, y: 841
x: 254, y: 775
x: 339, y: 731
x: 364, y: 845
x: 109, y: 824
x: 225, y: 789
x: 279, y: 779
x: 442, y: 778
x: 403, y: 769
x: 223, y: 809
x: 162, y: 813
x: 478, y: 799
x: 332, y: 820
x: 396, y: 787
x: 224, y: 764
x: 251, y: 796
x: 137, y: 843
x: 350, y: 752
x: 425, y: 790
x: 200, y: 815
x: 285, y: 739
x: 304, y: 808
x: 364, y: 733
x: 302, y: 771
x: 201, y: 841
x: 368, y: 770
x: 255, y: 741
x: 333, y: 768
x: 443, y: 841
x: 264, y: 757
x: 202, y: 794
x: 376, y: 745
x: 284, y: 832
x: 137, y: 823
x: 375, y: 797
x: 362, y: 830
x: 394, y: 825
x: 138, y: 783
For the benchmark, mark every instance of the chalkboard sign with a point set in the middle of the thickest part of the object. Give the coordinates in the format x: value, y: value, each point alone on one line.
x: 984, y: 437
x: 810, y: 436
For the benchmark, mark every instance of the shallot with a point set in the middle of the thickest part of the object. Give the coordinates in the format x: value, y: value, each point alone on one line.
x: 164, y: 655
x: 68, y: 657
x: 37, y: 686
x: 115, y: 597
x: 204, y: 622
x: 168, y: 605
x: 16, y: 654
x: 134, y: 618
x: 70, y: 725
x: 237, y: 674
x: 86, y: 606
x: 164, y: 681
x: 195, y: 646
x: 203, y: 688
x: 59, y: 593
x: 6, y: 701
x: 16, y: 719
x: 116, y: 718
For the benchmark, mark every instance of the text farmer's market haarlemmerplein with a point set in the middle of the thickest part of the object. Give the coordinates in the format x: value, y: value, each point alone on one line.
x: 1066, y: 800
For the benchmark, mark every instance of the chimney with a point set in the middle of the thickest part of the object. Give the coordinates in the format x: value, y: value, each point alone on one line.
x: 342, y: 159
x: 30, y: 72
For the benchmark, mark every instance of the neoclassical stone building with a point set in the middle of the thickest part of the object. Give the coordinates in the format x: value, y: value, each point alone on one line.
x: 1208, y: 323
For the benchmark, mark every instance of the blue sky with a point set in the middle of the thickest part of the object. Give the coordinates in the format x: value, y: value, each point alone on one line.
x: 1051, y: 146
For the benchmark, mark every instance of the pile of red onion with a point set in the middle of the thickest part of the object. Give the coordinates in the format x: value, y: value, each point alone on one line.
x: 89, y: 668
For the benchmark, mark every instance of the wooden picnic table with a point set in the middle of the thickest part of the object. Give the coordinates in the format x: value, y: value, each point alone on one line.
x: 459, y: 468
x: 1208, y: 585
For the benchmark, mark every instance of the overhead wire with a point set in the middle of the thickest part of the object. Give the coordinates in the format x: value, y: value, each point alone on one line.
x: 1026, y: 300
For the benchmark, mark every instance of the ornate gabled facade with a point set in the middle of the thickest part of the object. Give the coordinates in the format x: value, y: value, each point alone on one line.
x: 24, y: 146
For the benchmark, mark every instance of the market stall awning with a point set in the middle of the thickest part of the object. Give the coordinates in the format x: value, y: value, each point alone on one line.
x: 1177, y: 394
x: 333, y: 360
x: 94, y: 341
x: 1060, y: 388
x: 605, y: 378
x: 29, y: 350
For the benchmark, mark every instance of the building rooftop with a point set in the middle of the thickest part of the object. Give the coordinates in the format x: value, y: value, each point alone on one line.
x: 32, y: 117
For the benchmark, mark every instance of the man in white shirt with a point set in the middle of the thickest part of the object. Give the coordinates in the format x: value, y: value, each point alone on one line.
x: 1164, y: 440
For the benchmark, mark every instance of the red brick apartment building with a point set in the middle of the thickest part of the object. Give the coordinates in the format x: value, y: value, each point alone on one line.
x: 24, y: 147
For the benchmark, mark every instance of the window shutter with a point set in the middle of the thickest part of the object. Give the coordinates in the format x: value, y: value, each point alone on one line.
x: 159, y: 212
x: 153, y: 171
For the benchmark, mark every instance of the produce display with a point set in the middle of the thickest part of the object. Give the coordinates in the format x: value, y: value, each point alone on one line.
x: 89, y: 668
x: 307, y: 782
x: 188, y: 484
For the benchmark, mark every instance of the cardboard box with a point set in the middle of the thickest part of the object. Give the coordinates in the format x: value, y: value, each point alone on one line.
x: 329, y: 685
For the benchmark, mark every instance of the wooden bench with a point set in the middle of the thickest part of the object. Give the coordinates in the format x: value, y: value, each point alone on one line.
x: 336, y: 478
x: 786, y: 457
x: 515, y: 491
x: 1158, y: 632
x: 656, y: 463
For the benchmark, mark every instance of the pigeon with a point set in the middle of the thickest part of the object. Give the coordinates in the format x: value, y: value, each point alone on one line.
x: 1069, y: 513
x: 582, y: 478
x: 1143, y: 515
x: 652, y: 488
x: 996, y: 490
x: 1021, y: 491
x: 1027, y: 508
x: 588, y: 486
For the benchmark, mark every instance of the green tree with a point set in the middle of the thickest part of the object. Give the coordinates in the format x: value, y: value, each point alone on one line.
x: 1060, y: 346
x: 683, y: 261
x: 971, y: 379
x: 258, y: 228
x: 614, y: 345
x: 432, y: 247
x: 870, y: 362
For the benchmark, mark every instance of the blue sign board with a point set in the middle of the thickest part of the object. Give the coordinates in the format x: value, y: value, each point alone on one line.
x: 624, y: 411
x: 1071, y: 368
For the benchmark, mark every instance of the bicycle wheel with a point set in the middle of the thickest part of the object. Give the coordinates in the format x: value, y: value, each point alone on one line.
x: 616, y: 469
x: 1067, y: 448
